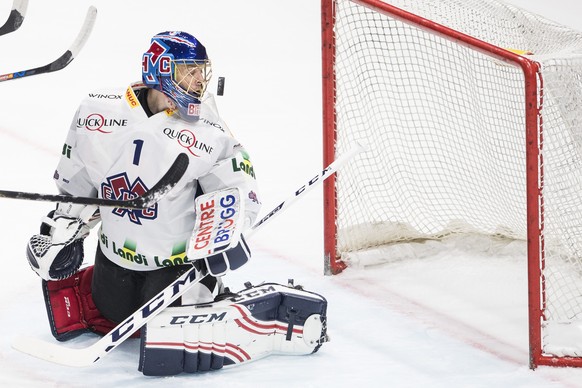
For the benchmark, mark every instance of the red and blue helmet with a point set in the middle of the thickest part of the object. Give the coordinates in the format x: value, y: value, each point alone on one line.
x: 177, y: 65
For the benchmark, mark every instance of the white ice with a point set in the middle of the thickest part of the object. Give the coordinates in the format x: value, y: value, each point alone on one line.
x: 452, y: 319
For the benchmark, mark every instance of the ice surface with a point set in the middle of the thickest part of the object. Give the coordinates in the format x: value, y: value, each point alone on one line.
x: 452, y: 319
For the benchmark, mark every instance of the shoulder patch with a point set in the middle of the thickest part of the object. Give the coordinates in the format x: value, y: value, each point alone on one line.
x: 131, y: 98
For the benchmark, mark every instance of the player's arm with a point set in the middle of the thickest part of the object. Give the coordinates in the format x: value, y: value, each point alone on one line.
x: 235, y: 171
x: 57, y: 251
x: 71, y: 176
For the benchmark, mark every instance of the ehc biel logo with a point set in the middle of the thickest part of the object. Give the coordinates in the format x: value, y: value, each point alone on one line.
x: 119, y: 187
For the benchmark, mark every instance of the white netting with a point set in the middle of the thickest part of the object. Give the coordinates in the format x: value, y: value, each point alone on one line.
x: 446, y: 129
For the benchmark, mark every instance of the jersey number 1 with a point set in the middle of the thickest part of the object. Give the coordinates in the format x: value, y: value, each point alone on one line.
x: 137, y: 154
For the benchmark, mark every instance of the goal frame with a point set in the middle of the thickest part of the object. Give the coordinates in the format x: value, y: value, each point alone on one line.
x: 533, y: 132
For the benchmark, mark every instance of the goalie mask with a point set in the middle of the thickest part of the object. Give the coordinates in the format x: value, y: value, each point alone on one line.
x: 177, y: 65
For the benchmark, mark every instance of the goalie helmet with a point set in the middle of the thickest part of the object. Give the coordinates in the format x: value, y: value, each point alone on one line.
x: 177, y: 65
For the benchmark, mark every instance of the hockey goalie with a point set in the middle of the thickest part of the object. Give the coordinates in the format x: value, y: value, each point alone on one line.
x: 120, y: 142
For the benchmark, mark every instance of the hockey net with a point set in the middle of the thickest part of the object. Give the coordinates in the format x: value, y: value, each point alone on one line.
x: 472, y: 114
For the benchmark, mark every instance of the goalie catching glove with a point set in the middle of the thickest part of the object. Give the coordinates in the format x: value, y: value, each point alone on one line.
x: 57, y: 252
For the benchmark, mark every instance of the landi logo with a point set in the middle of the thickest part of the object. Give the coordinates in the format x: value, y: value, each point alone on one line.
x: 187, y: 139
x: 243, y: 165
x: 96, y: 122
x: 66, y: 151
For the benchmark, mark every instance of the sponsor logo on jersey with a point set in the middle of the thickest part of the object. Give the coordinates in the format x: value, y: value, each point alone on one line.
x: 187, y: 139
x: 128, y: 251
x: 178, y: 254
x: 119, y: 187
x: 97, y: 122
x: 131, y: 98
x: 243, y: 165
x: 208, y: 122
x: 57, y: 176
x: 178, y: 257
x: 253, y: 197
x: 66, y: 151
x: 105, y: 96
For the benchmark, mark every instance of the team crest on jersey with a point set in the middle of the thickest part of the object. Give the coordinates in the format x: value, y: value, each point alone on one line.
x: 119, y: 187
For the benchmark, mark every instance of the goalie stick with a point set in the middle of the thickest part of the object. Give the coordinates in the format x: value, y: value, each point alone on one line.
x: 15, y: 18
x: 329, y: 170
x: 62, y: 61
x: 165, y: 184
x: 81, y: 357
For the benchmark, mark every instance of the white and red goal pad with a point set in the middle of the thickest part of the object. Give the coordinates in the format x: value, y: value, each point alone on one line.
x: 474, y: 113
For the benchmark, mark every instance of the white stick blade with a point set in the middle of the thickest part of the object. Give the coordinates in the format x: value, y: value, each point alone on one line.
x: 85, y: 31
x: 54, y: 352
x: 20, y: 6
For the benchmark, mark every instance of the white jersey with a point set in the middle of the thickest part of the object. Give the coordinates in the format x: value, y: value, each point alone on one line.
x: 113, y: 150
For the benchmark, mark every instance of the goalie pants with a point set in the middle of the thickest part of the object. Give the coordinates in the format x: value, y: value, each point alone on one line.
x: 119, y: 292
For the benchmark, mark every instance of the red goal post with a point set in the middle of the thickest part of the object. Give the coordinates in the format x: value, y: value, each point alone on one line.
x: 473, y: 129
